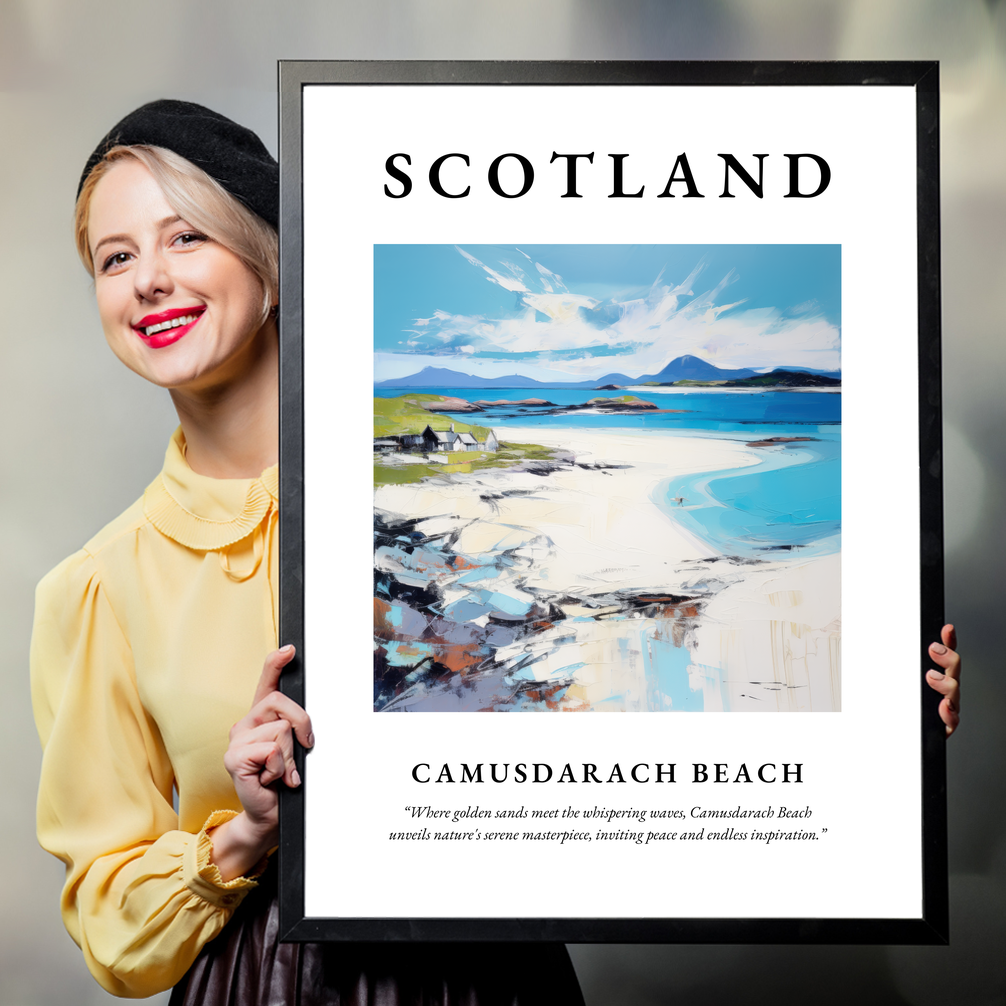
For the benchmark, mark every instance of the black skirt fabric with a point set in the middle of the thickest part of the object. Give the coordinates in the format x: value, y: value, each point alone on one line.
x: 246, y: 965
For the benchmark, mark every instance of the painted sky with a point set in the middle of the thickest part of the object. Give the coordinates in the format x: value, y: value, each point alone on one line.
x: 582, y: 311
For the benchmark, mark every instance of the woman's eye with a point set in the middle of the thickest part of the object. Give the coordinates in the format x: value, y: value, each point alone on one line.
x: 190, y: 238
x: 114, y: 261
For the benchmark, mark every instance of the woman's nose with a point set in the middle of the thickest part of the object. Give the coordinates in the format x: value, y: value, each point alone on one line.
x: 152, y: 277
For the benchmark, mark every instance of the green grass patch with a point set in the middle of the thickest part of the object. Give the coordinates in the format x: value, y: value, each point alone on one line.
x: 507, y: 456
x: 404, y: 414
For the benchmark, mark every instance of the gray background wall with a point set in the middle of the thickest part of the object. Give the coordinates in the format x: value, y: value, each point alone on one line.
x: 82, y: 436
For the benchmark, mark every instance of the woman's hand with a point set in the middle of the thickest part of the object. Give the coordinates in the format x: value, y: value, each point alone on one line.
x: 260, y: 753
x: 948, y: 681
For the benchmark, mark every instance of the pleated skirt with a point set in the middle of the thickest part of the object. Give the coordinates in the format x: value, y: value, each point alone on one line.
x: 246, y: 965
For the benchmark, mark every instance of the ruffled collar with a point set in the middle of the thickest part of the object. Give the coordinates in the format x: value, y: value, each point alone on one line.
x: 203, y: 513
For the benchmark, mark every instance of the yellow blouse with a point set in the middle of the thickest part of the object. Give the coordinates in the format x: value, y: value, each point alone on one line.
x: 147, y: 647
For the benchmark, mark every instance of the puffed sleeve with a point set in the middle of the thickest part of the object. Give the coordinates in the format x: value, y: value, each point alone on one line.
x: 141, y: 898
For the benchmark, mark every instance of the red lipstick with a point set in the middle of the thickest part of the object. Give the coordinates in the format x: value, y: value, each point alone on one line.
x: 166, y: 328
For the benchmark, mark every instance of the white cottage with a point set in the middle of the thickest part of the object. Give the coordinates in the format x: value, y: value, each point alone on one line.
x: 436, y: 441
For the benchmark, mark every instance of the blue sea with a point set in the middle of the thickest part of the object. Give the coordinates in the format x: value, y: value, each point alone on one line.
x: 789, y: 502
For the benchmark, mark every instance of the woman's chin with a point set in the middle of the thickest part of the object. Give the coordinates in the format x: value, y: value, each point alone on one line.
x: 174, y: 373
x: 196, y: 365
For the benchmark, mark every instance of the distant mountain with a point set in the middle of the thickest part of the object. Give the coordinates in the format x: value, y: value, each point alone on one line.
x: 684, y: 368
x: 440, y: 377
x: 691, y: 368
x: 620, y: 379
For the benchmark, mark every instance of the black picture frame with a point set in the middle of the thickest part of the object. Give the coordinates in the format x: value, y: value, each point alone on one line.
x: 932, y: 927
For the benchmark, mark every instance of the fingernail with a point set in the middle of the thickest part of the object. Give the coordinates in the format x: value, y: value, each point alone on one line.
x: 936, y: 675
x: 310, y: 740
x: 295, y: 777
x: 287, y: 649
x: 938, y: 648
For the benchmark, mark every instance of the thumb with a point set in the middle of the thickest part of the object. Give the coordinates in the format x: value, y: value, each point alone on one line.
x: 271, y: 671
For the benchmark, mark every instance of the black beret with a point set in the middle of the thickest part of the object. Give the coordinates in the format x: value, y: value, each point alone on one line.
x: 230, y: 154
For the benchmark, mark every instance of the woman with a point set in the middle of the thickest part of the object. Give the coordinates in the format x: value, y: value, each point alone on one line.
x: 149, y: 642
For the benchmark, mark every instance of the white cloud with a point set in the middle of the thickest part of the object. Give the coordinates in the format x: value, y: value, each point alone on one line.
x: 583, y: 336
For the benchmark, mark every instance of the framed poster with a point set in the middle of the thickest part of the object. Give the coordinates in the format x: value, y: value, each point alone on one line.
x: 611, y: 450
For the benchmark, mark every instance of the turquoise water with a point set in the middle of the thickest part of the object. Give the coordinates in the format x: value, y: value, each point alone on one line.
x: 790, y: 501
x: 723, y: 411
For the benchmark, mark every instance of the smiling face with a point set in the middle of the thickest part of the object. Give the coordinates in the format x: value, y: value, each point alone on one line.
x: 177, y: 307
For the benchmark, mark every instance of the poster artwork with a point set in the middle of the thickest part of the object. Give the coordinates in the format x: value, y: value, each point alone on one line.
x: 607, y: 477
x: 613, y: 362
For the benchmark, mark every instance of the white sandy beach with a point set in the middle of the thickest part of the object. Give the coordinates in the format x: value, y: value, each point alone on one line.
x: 602, y: 523
x: 762, y: 636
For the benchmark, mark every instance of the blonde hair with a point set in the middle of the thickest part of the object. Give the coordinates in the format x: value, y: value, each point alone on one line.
x: 199, y: 200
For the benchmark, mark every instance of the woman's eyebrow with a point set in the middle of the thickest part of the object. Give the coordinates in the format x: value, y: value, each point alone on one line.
x: 109, y: 240
x: 160, y: 225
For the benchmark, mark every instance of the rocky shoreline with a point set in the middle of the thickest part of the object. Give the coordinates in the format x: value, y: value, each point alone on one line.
x: 567, y: 584
x: 459, y: 631
x: 626, y: 404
